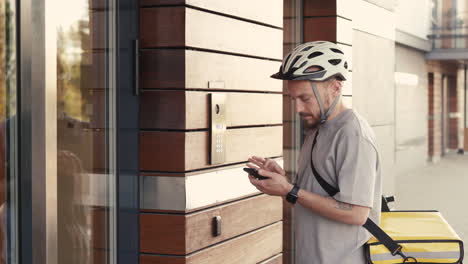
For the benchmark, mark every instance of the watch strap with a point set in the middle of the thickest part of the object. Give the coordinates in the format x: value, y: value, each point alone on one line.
x: 292, y: 195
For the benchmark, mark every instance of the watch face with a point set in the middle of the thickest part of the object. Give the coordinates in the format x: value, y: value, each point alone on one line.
x: 291, y: 198
x: 292, y: 195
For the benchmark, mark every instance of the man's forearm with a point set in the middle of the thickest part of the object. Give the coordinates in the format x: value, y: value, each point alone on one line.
x: 333, y: 209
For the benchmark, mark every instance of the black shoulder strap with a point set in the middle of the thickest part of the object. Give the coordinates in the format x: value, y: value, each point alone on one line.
x: 372, y: 227
x: 327, y: 187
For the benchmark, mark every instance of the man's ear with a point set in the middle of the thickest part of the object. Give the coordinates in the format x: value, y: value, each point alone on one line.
x: 337, y: 86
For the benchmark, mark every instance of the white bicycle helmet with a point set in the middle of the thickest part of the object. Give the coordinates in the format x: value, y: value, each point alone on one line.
x: 315, y: 61
x: 324, y: 55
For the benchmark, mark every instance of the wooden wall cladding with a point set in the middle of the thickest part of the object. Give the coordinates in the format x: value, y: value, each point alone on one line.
x: 335, y: 29
x: 192, y: 69
x: 278, y: 259
x: 253, y: 247
x: 342, y: 8
x: 185, y: 234
x: 246, y: 9
x: 320, y: 28
x: 190, y: 150
x: 466, y: 139
x: 190, y: 109
x: 188, y: 27
x: 319, y: 8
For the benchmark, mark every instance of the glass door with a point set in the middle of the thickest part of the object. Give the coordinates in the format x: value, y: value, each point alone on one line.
x: 8, y: 128
x: 80, y: 124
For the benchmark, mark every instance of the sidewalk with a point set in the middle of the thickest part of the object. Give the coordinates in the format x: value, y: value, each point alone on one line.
x: 443, y: 187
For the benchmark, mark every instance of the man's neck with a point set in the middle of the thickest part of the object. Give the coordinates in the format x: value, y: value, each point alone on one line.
x: 340, y: 107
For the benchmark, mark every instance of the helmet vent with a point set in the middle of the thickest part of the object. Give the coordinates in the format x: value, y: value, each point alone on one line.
x: 307, y: 48
x: 314, y: 68
x: 334, y: 62
x: 314, y: 54
x: 287, y: 59
x: 346, y: 65
x: 303, y: 64
x: 336, y: 50
x: 295, y: 60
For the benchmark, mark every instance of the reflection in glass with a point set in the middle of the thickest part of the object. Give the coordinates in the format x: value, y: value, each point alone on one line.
x: 82, y: 171
x: 7, y: 128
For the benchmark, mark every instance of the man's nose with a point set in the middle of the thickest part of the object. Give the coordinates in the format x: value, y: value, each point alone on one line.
x: 298, y: 107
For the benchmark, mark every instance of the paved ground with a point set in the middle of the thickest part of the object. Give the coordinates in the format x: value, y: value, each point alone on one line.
x: 442, y: 186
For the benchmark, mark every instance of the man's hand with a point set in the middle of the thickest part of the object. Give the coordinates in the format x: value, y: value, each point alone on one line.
x: 277, y: 184
x: 267, y: 164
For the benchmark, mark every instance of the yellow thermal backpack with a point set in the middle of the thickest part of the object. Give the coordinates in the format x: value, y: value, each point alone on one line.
x: 416, y: 237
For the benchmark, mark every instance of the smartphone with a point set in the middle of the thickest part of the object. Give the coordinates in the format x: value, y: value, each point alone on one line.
x: 254, y: 173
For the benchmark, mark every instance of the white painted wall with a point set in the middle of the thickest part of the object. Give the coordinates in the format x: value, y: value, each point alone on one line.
x: 413, y: 17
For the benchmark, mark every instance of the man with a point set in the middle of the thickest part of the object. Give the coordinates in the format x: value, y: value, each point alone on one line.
x: 328, y: 230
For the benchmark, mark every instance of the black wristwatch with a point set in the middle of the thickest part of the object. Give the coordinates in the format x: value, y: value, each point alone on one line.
x: 292, y: 195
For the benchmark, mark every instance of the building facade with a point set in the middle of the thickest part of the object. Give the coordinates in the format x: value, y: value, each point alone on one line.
x: 125, y: 125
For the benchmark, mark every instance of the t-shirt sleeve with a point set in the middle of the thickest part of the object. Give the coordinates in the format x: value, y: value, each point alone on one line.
x: 356, y: 168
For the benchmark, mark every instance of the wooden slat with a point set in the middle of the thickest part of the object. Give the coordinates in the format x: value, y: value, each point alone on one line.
x: 152, y: 158
x: 166, y: 68
x: 278, y: 259
x: 343, y: 8
x: 164, y: 109
x: 179, y: 151
x: 250, y: 248
x: 335, y: 29
x: 190, y: 109
x: 162, y: 69
x: 188, y: 233
x: 466, y: 139
x: 320, y: 28
x: 163, y: 27
x: 163, y: 233
x: 246, y: 9
x: 319, y: 8
x: 238, y: 73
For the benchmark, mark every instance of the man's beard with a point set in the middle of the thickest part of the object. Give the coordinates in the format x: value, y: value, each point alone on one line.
x: 308, y: 125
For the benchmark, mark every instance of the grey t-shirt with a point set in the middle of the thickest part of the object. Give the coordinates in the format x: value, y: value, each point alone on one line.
x: 345, y: 156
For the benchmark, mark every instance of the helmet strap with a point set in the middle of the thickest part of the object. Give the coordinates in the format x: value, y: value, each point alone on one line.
x: 324, y: 114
